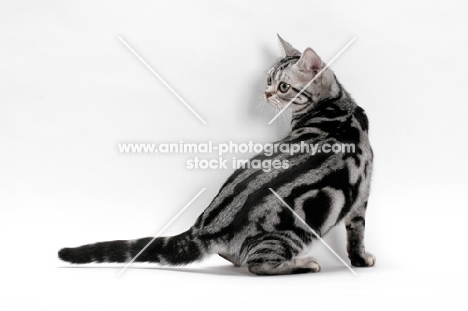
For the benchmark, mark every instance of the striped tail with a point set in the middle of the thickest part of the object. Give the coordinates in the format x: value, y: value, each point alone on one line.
x: 180, y: 249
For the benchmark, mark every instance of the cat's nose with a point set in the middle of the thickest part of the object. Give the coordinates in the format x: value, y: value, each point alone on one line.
x: 267, y: 94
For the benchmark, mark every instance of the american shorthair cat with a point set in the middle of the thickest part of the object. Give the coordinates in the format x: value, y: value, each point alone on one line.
x: 246, y: 223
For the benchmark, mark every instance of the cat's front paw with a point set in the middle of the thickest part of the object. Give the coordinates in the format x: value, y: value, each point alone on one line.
x: 363, y: 260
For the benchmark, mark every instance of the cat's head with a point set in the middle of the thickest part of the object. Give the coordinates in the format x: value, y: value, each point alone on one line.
x: 294, y: 72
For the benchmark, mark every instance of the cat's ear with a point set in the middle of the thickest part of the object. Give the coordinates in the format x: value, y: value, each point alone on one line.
x: 309, y: 62
x: 288, y: 48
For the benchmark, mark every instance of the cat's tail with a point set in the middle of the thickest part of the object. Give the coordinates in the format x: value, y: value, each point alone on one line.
x: 176, y: 250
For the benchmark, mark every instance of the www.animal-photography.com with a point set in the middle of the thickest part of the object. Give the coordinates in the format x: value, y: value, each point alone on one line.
x: 233, y: 154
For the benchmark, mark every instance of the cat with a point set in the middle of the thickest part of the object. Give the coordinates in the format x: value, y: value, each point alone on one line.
x: 246, y: 223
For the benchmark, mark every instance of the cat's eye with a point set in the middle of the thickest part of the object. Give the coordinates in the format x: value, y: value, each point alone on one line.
x: 283, y: 87
x: 269, y: 80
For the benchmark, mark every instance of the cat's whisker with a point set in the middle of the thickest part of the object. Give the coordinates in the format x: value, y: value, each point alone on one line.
x: 259, y: 107
x: 260, y: 104
x: 264, y: 103
x: 276, y: 112
x: 279, y: 107
x: 285, y: 119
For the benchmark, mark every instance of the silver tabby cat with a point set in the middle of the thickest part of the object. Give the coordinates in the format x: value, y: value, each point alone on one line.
x: 246, y: 223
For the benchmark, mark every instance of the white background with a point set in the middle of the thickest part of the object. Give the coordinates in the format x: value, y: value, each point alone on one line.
x: 70, y: 91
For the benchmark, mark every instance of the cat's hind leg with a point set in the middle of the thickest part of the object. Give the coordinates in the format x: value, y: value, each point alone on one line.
x: 276, y: 257
x: 355, y: 226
